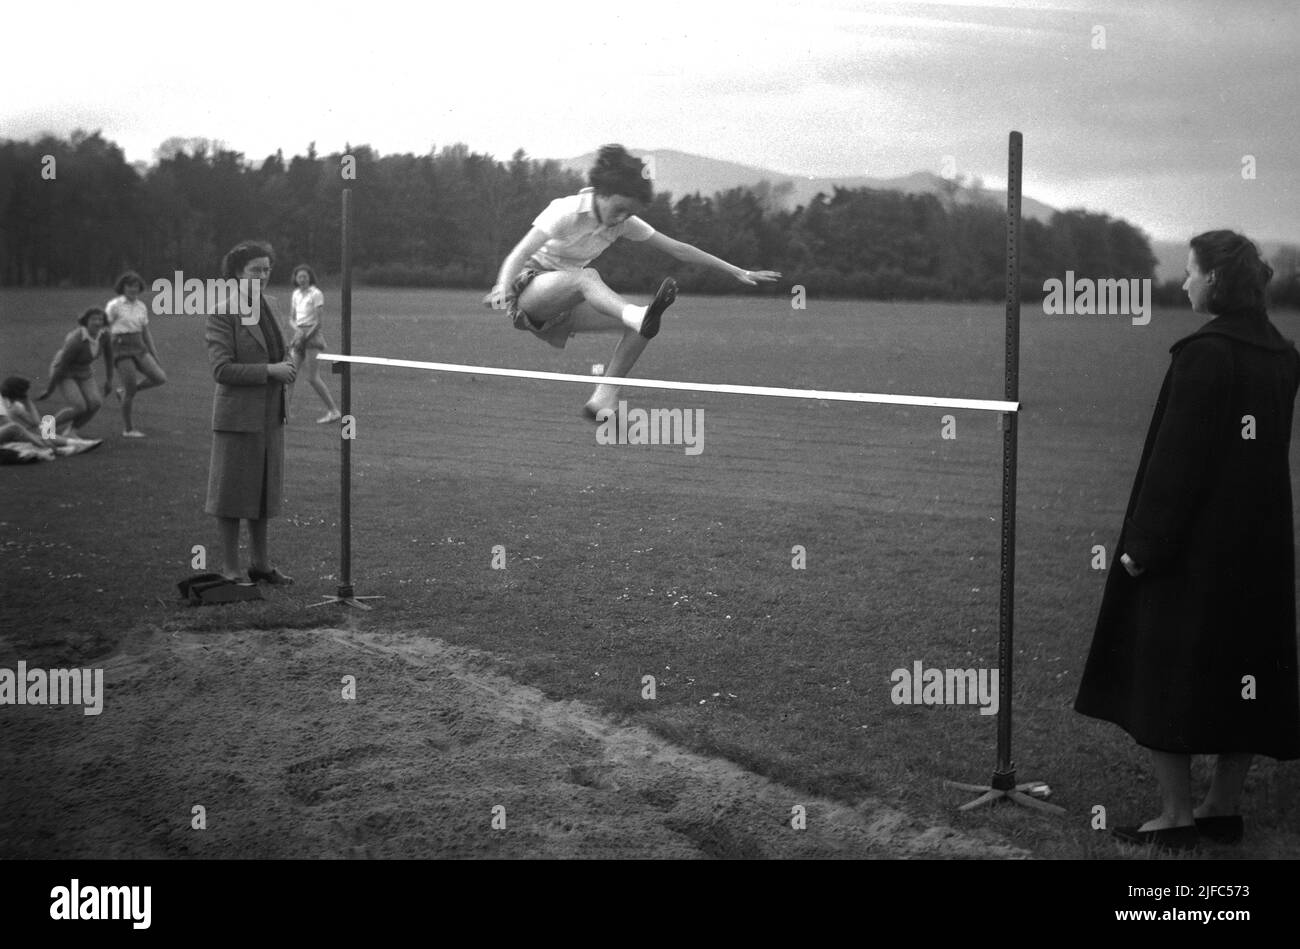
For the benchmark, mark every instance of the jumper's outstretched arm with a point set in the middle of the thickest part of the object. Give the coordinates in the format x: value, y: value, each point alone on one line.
x: 689, y: 254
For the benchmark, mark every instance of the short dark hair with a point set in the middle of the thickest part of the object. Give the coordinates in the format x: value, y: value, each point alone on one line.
x: 617, y: 172
x: 15, y: 387
x: 1240, y: 273
x: 311, y: 274
x: 85, y: 317
x: 232, y: 265
x: 119, y: 287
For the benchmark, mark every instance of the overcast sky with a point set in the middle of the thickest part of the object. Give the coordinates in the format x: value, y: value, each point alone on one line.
x: 1153, y: 127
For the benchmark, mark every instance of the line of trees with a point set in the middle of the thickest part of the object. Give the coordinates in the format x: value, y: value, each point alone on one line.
x: 75, y: 212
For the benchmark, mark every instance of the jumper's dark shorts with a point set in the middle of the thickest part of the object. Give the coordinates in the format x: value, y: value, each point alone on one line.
x: 555, y: 331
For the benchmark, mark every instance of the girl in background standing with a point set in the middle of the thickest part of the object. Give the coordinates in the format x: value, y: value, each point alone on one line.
x: 134, y: 353
x: 308, y: 340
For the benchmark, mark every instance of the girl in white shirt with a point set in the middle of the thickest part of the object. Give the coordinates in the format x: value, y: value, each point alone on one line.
x: 308, y: 340
x: 134, y: 354
x: 546, y: 287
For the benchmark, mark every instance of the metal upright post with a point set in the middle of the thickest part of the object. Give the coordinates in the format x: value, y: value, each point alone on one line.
x: 1003, y: 785
x: 346, y: 594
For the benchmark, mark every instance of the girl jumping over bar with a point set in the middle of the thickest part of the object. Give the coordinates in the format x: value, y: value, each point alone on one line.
x: 546, y: 287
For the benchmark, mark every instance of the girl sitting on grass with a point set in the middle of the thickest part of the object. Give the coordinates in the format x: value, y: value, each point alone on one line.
x: 21, y: 436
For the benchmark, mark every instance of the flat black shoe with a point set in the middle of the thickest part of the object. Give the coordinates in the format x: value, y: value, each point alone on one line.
x: 1170, y: 838
x: 663, y: 299
x: 272, y: 576
x: 1222, y: 830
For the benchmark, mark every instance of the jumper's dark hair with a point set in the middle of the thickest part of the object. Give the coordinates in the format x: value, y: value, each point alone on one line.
x: 232, y: 265
x: 129, y: 277
x: 85, y: 317
x: 1240, y: 273
x: 15, y: 388
x: 311, y: 275
x: 617, y: 172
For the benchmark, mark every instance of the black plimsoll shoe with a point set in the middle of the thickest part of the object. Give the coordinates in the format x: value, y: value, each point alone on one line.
x: 1170, y: 838
x: 666, y: 294
x: 272, y: 576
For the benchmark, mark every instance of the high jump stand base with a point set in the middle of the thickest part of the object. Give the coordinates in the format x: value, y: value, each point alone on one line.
x: 1004, y: 788
x: 347, y: 597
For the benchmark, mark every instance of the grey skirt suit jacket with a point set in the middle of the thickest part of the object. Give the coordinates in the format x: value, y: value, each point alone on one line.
x: 246, y: 473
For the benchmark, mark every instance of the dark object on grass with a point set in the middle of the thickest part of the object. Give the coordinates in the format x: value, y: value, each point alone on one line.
x: 11, y: 455
x: 207, y: 588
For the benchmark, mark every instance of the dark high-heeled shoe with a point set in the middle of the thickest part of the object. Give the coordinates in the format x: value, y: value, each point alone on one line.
x: 1227, y: 829
x: 272, y: 576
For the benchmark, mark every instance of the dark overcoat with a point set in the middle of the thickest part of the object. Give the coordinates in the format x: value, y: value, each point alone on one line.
x: 1197, y: 655
x: 246, y: 473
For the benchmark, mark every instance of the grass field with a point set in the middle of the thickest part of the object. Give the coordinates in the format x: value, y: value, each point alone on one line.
x: 625, y: 561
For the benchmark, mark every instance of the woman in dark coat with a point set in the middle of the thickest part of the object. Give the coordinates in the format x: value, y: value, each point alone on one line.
x: 1195, y: 646
x: 251, y: 367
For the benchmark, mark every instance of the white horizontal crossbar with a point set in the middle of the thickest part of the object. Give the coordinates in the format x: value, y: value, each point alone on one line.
x: 987, y: 405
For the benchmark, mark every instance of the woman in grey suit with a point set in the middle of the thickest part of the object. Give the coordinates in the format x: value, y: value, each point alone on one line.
x: 251, y: 366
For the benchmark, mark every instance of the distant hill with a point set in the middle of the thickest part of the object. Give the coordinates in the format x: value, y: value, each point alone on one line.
x: 682, y: 173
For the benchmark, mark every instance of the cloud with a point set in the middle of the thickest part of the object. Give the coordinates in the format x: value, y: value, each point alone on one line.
x: 1180, y: 92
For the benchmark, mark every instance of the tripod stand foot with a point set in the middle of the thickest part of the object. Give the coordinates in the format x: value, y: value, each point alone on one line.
x: 1016, y: 795
x: 352, y: 601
